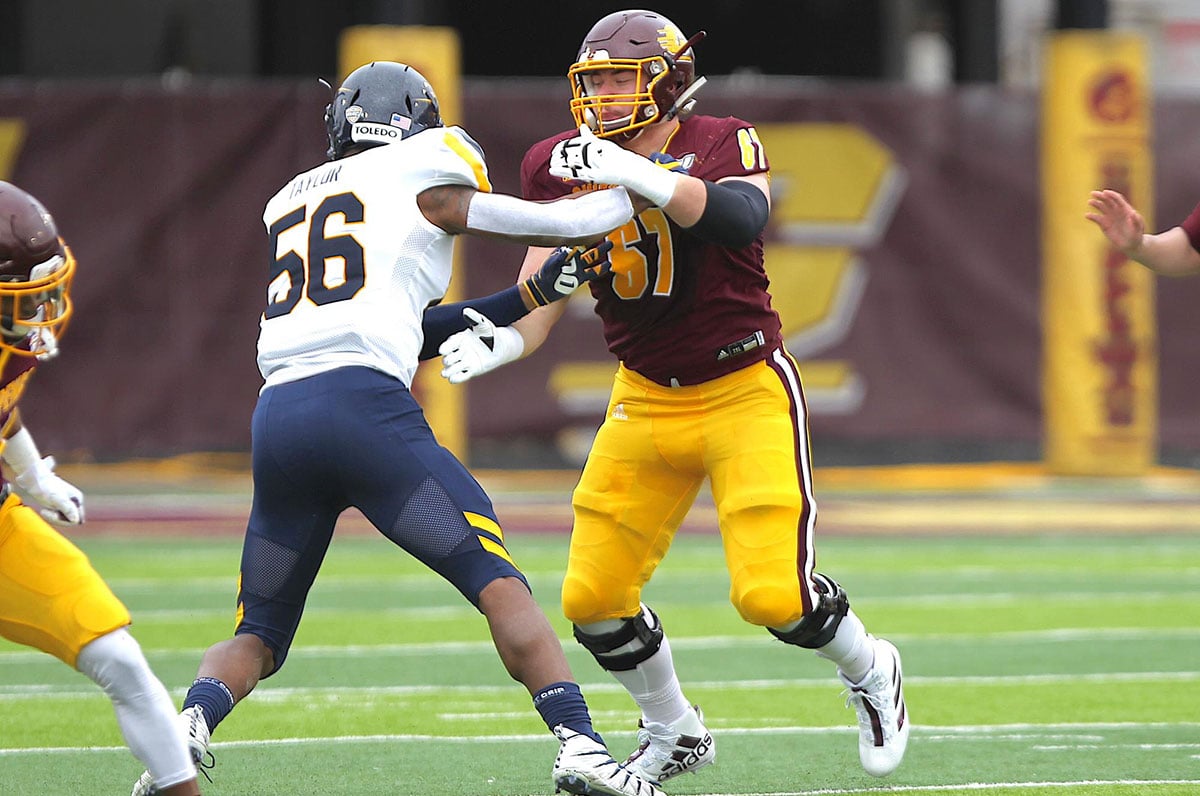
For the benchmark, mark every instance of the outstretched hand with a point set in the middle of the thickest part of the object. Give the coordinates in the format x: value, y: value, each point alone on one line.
x: 481, y: 348
x: 1117, y: 219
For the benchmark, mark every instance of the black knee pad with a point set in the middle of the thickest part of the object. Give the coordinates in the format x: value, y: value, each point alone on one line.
x: 634, y: 630
x: 818, y: 627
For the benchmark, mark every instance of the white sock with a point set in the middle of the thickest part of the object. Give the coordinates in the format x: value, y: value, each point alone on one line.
x: 850, y: 649
x: 145, y: 713
x: 655, y: 687
x: 653, y: 684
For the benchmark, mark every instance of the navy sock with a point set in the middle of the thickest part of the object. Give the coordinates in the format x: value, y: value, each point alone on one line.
x: 213, y: 697
x: 562, y: 703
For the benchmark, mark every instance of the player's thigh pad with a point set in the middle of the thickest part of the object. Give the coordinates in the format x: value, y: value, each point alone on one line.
x: 757, y: 456
x: 50, y: 596
x: 640, y: 479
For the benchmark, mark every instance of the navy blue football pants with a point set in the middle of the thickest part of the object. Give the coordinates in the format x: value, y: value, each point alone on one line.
x: 354, y: 437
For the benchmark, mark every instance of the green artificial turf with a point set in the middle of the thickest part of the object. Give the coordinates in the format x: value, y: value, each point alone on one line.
x: 1033, y: 665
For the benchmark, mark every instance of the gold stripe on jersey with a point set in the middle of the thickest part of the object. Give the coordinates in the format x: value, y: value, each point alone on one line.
x: 6, y: 431
x: 472, y: 158
x: 10, y: 394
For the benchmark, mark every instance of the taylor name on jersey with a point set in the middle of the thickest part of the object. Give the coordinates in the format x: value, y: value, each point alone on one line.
x: 343, y: 292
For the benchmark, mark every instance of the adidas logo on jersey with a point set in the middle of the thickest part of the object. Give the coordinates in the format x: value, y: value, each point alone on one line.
x: 618, y: 412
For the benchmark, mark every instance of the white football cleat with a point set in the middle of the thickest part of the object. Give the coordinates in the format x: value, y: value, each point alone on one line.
x: 882, y: 715
x: 584, y: 767
x: 665, y: 751
x: 144, y: 786
x: 196, y: 733
x: 195, y: 729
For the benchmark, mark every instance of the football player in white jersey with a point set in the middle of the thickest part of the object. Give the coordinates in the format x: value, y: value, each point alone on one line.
x: 361, y: 247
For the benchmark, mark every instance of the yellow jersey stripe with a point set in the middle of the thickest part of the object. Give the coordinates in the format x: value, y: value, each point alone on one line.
x: 472, y: 157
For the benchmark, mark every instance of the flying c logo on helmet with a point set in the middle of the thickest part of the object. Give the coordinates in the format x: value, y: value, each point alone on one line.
x: 671, y: 39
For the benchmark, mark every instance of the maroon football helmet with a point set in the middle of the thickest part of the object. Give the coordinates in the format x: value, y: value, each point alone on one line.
x: 36, y: 269
x: 636, y: 62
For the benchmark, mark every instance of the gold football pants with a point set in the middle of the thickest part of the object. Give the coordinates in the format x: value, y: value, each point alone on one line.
x: 747, y: 433
x: 50, y: 596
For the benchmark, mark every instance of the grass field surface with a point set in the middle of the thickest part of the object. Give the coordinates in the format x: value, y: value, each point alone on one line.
x: 1034, y: 664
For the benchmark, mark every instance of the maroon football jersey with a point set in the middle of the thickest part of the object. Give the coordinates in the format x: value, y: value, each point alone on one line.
x: 1191, y: 225
x: 679, y: 310
x: 14, y: 375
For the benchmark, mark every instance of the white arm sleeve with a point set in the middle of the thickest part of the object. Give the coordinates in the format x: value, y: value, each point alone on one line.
x: 21, y: 452
x: 550, y: 223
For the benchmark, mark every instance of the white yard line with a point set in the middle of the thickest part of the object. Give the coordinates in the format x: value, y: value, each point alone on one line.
x: 1053, y: 635
x: 987, y: 731
x: 14, y: 693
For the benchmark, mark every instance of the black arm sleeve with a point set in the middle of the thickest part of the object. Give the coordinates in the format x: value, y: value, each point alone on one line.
x: 735, y: 212
x: 442, y: 320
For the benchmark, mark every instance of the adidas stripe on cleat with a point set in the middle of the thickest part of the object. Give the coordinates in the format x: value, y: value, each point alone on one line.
x: 668, y: 751
x: 882, y: 715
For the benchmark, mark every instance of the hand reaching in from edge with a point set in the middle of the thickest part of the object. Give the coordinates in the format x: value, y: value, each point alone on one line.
x: 1118, y: 220
x: 61, y: 501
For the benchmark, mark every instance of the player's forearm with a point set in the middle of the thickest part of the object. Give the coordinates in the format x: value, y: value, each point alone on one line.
x: 1169, y: 253
x: 535, y: 327
x: 687, y: 204
x: 567, y: 221
x: 20, y: 452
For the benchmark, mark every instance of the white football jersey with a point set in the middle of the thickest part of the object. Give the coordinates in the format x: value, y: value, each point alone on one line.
x: 356, y: 262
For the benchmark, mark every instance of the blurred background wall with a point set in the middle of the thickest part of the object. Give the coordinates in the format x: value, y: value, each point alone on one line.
x: 903, y: 249
x: 930, y: 42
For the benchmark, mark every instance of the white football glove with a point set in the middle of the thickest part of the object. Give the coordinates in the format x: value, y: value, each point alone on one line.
x: 479, y: 349
x: 61, y: 501
x: 605, y: 162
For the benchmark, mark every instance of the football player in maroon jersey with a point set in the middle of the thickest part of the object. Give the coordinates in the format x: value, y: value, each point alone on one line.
x: 705, y: 390
x: 50, y: 596
x: 1174, y: 252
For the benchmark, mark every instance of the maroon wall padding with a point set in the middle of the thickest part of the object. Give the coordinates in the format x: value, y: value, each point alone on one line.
x: 160, y: 193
